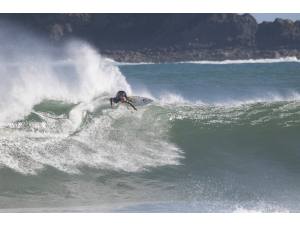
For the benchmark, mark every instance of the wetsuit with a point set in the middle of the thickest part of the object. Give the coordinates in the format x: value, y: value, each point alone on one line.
x: 121, y: 97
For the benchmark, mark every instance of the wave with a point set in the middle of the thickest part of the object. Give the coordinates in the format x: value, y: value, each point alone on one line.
x: 69, y: 136
x: 223, y: 150
x: 247, y: 61
x: 55, y: 113
x: 103, y: 138
x: 116, y: 63
x: 29, y: 81
x: 268, y: 97
x: 132, y: 63
x: 292, y: 59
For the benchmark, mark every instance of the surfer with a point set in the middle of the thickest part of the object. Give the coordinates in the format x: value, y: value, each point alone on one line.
x: 121, y: 97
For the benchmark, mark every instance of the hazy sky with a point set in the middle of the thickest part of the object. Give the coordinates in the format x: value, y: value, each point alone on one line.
x: 271, y: 16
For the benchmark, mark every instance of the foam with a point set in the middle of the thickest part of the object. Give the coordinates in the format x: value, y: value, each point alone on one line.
x: 130, y: 63
x: 268, y: 97
x: 221, y: 62
x: 247, y: 61
x: 79, y: 74
x: 117, y: 140
x: 170, y: 98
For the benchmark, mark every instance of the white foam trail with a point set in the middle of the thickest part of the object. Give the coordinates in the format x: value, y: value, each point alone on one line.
x: 131, y: 63
x: 266, y: 98
x: 143, y: 92
x: 261, y: 207
x: 116, y: 63
x: 223, y: 62
x: 176, y: 99
x: 171, y: 98
x: 246, y: 61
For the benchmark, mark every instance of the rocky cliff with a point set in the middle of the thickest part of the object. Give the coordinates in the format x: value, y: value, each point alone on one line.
x: 170, y: 37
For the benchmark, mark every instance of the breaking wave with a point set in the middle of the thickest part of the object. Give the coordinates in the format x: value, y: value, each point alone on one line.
x: 56, y: 113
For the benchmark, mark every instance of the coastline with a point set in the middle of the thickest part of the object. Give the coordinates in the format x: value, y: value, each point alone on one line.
x: 192, y: 55
x: 162, y: 38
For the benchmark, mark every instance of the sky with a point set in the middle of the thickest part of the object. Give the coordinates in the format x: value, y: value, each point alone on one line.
x: 260, y: 17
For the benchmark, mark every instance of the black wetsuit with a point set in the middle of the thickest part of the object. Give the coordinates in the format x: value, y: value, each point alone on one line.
x: 121, y: 97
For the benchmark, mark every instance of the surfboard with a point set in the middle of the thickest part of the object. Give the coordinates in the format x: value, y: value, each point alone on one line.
x: 139, y: 101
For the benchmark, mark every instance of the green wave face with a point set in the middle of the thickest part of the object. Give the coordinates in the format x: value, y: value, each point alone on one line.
x: 207, y: 155
x: 186, y: 129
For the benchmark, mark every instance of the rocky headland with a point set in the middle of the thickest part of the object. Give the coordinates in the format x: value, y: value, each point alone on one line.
x: 169, y: 37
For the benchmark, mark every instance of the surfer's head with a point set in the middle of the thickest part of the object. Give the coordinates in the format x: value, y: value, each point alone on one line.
x: 123, y: 98
x: 121, y: 95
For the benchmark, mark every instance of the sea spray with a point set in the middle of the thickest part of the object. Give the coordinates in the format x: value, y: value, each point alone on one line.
x: 74, y: 72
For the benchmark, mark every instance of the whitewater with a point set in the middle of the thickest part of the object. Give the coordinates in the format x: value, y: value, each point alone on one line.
x: 218, y: 137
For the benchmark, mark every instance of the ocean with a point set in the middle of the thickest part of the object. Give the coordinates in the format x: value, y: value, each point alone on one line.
x: 218, y: 137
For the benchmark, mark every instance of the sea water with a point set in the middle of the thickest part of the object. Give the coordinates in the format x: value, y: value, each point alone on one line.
x: 218, y: 137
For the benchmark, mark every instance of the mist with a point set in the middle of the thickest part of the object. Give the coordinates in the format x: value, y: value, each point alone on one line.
x: 32, y: 69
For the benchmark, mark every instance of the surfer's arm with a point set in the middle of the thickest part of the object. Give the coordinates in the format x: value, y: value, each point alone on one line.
x: 129, y: 103
x: 111, y: 100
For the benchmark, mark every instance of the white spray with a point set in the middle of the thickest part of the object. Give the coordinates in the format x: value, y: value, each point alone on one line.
x: 114, y: 139
x: 32, y: 70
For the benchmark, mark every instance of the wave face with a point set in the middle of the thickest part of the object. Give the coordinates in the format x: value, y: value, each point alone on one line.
x: 103, y: 139
x: 217, y: 138
x: 175, y: 157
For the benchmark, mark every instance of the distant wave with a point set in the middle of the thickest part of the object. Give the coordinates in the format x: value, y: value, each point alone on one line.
x: 133, y: 64
x: 224, y: 62
x: 128, y: 63
x: 244, y: 61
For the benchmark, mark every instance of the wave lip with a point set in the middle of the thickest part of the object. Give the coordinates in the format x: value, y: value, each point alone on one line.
x: 81, y: 75
x: 268, y: 97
